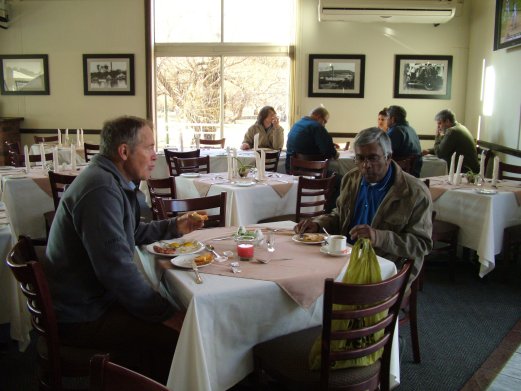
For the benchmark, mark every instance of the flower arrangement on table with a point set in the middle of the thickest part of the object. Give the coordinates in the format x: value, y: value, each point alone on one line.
x: 243, y: 168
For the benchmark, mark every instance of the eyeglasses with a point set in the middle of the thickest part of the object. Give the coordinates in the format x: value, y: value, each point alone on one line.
x: 371, y: 159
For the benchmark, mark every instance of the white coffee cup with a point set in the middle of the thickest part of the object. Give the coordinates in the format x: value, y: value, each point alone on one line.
x: 337, y: 244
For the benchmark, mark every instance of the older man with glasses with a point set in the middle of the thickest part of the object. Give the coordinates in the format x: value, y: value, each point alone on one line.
x: 381, y: 202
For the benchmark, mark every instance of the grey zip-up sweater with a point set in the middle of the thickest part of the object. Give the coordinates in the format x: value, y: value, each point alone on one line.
x: 91, y: 245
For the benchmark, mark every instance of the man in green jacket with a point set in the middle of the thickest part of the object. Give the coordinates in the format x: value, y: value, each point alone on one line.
x: 381, y: 202
x: 451, y: 136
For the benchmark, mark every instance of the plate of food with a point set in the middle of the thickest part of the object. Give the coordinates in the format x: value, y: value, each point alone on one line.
x: 175, y: 247
x: 191, y: 174
x: 486, y: 191
x: 185, y: 261
x: 309, y: 238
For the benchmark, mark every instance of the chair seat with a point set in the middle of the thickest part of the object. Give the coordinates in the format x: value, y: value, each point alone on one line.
x: 443, y: 229
x: 286, y: 357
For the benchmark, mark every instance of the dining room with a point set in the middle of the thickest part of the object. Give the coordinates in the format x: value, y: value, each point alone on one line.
x: 481, y: 88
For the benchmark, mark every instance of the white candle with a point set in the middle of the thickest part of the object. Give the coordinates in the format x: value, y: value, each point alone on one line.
x: 495, y: 172
x: 78, y: 139
x: 458, y: 170
x: 482, y: 165
x: 59, y: 138
x: 26, y: 156
x: 67, y: 136
x: 451, y: 168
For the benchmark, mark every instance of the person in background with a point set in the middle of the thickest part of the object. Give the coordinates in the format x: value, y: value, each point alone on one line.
x: 309, y: 136
x: 404, y: 139
x: 451, y: 136
x: 382, y: 119
x: 379, y: 201
x: 102, y: 300
x: 271, y: 134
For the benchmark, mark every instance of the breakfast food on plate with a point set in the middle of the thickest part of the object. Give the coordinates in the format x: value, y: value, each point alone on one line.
x: 164, y: 250
x: 312, y: 238
x: 175, y: 247
x: 198, y: 217
x: 203, y: 259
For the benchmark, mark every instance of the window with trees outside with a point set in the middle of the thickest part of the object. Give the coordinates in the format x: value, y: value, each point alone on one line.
x: 217, y: 63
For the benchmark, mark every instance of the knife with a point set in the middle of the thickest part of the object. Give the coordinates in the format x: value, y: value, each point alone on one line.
x: 198, y: 278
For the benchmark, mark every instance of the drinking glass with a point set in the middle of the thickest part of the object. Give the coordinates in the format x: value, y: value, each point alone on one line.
x: 270, y: 241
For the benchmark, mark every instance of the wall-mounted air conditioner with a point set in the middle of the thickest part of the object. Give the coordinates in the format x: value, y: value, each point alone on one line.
x: 391, y: 11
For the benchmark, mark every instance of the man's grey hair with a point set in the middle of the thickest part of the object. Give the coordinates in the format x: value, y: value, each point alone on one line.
x: 320, y: 112
x: 121, y: 130
x: 398, y: 112
x: 446, y: 115
x: 374, y: 135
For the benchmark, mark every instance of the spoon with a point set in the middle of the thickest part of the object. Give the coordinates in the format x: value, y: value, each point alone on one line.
x: 218, y: 258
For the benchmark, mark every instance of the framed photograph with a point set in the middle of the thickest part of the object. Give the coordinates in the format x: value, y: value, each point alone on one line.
x: 24, y: 74
x: 507, y: 31
x: 422, y: 77
x: 336, y: 75
x: 108, y: 74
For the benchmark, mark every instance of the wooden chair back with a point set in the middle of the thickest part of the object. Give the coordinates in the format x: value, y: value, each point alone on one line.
x: 219, y: 143
x: 407, y: 163
x: 272, y: 160
x: 363, y: 300
x: 313, y: 193
x: 45, y: 139
x: 108, y: 376
x: 170, y: 156
x: 18, y: 159
x: 160, y: 188
x: 89, y: 150
x: 59, y: 183
x: 509, y: 171
x: 192, y: 164
x: 173, y: 207
x: 306, y: 156
x: 314, y: 168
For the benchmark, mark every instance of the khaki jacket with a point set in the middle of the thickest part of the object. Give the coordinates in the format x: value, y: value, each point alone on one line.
x: 274, y: 139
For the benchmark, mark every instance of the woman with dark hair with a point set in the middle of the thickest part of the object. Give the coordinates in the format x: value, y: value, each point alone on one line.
x: 271, y: 134
x: 382, y: 119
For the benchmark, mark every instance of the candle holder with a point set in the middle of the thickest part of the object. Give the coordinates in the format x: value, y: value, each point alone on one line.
x: 245, y: 248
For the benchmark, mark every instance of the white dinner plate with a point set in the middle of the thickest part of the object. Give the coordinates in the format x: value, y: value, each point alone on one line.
x: 244, y: 184
x: 193, y: 247
x: 296, y: 238
x: 323, y: 250
x: 16, y: 176
x: 185, y: 261
x: 191, y: 174
x: 486, y: 191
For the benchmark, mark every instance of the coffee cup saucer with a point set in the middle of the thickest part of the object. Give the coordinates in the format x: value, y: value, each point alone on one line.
x: 324, y: 250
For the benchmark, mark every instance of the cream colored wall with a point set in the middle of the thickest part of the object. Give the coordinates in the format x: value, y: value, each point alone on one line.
x: 65, y: 30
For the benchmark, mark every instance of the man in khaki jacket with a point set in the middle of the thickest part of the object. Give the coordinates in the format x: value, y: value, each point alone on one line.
x: 381, y: 202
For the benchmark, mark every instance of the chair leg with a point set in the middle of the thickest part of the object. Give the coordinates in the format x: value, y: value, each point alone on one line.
x: 453, y: 257
x: 413, y: 314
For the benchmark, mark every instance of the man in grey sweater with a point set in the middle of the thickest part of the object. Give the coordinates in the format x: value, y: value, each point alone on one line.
x: 102, y: 300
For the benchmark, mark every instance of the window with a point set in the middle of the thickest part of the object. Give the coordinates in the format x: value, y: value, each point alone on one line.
x: 217, y: 63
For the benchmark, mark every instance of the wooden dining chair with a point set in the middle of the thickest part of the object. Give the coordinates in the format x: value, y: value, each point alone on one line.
x: 219, y: 143
x: 45, y: 139
x: 160, y: 188
x: 18, y: 159
x: 170, y: 156
x: 89, y: 150
x: 314, y: 168
x: 173, y: 207
x: 56, y: 362
x: 108, y: 376
x: 407, y: 163
x: 192, y: 164
x: 272, y: 160
x: 285, y: 358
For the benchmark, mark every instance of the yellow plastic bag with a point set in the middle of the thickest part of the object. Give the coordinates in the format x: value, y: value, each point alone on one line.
x: 363, y: 269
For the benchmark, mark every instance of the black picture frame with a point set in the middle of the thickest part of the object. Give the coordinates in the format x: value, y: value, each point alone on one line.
x: 336, y: 75
x: 108, y: 74
x: 422, y: 77
x: 24, y: 74
x: 507, y: 29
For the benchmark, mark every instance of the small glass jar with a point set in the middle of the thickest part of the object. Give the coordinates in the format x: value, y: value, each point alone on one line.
x: 245, y: 248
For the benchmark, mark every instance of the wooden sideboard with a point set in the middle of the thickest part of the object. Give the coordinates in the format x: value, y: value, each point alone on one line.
x: 9, y: 131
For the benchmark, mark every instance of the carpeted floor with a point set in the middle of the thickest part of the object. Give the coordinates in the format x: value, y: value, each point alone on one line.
x: 460, y: 325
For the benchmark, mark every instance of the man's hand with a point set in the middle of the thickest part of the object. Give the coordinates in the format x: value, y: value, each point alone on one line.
x: 191, y: 221
x: 363, y: 231
x: 176, y: 321
x: 306, y: 226
x: 245, y: 146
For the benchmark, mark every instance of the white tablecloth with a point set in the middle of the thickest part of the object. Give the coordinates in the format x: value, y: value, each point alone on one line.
x: 481, y: 218
x: 227, y: 316
x: 218, y: 161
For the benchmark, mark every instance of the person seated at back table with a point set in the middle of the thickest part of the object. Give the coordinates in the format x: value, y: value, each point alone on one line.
x: 379, y: 201
x: 101, y: 299
x: 404, y: 139
x: 451, y: 136
x: 271, y: 134
x: 382, y: 119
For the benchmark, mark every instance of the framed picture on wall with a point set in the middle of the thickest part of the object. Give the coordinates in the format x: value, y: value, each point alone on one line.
x: 336, y: 75
x: 26, y: 74
x: 108, y: 74
x: 422, y: 77
x: 507, y: 31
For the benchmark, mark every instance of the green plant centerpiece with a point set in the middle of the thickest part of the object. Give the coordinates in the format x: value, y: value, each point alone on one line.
x: 243, y: 168
x: 471, y: 177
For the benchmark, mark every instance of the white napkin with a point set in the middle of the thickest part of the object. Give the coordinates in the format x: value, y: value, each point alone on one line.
x: 181, y: 146
x: 55, y: 162
x: 256, y: 142
x: 82, y: 139
x: 260, y: 162
x: 66, y: 136
x: 73, y: 157
x: 229, y: 160
x: 59, y: 138
x: 197, y: 140
x: 457, y: 179
x: 26, y: 156
x: 495, y: 173
x: 451, y: 168
x: 42, y: 155
x: 482, y: 165
x: 234, y: 163
x: 78, y: 137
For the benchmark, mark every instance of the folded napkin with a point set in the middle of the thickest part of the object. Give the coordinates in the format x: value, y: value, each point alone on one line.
x: 66, y: 136
x: 59, y: 138
x: 256, y: 142
x: 181, y: 146
x: 280, y: 188
x: 26, y: 156
x: 202, y: 187
x: 482, y: 165
x: 495, y: 172
x: 457, y: 175
x: 451, y: 168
